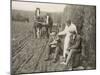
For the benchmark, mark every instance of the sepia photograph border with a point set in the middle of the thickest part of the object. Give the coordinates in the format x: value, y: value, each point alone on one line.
x: 47, y: 3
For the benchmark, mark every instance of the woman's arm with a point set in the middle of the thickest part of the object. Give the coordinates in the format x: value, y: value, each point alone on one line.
x: 64, y: 31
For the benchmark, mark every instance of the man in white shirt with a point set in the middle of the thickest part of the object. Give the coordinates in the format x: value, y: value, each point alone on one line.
x: 70, y: 27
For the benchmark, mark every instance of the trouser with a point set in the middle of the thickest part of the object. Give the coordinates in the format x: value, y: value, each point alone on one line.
x: 49, y: 30
x: 34, y: 32
x: 66, y: 45
x: 43, y: 32
x: 73, y: 54
x: 56, y: 49
x: 38, y: 32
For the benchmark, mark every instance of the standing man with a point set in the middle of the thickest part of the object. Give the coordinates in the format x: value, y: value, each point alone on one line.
x: 49, y: 23
x: 37, y: 26
x: 70, y: 27
x: 37, y: 12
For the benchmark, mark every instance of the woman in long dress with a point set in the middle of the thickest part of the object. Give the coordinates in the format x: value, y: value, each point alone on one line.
x: 70, y: 27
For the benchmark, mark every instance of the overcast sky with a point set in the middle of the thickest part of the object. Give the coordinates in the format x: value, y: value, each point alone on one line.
x: 30, y: 6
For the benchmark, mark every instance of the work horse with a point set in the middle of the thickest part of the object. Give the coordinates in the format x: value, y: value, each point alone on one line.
x: 42, y: 24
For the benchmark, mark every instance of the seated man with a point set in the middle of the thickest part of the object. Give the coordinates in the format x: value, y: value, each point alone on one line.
x: 53, y: 44
x: 74, y: 49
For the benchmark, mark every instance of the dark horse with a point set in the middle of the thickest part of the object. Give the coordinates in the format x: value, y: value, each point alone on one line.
x: 41, y: 27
